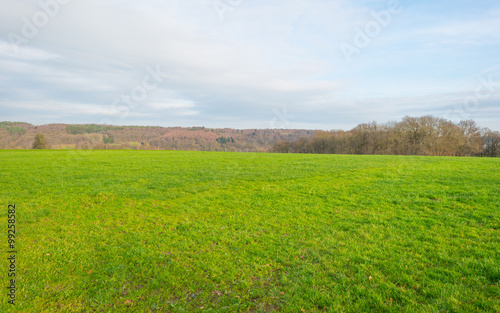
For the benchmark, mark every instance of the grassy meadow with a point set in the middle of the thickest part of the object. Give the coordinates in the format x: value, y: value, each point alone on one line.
x: 170, y: 231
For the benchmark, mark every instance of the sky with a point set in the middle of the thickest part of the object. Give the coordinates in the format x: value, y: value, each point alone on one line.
x: 309, y: 64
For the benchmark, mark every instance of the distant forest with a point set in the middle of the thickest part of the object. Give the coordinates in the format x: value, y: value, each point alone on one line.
x: 426, y: 135
x: 17, y: 135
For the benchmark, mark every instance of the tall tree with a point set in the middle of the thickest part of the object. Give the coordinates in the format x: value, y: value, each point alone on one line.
x: 471, y: 141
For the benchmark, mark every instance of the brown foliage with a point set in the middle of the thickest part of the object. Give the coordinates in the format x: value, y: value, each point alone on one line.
x: 426, y: 135
x: 59, y: 136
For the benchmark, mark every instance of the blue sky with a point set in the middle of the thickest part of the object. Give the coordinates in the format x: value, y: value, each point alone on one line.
x: 315, y: 64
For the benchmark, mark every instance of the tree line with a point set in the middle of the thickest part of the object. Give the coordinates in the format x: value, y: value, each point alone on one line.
x: 426, y: 135
x: 19, y: 135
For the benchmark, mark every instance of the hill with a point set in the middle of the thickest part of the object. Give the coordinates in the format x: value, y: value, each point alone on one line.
x: 19, y: 135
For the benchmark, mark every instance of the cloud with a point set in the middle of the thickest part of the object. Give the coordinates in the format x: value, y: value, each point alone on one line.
x: 25, y: 53
x: 263, y: 56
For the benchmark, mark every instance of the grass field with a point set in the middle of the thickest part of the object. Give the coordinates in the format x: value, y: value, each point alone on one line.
x: 163, y: 231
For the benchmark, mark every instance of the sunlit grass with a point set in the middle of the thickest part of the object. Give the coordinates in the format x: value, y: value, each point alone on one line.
x: 159, y: 231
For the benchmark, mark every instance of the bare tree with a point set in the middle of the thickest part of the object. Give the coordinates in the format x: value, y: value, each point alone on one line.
x: 491, y: 143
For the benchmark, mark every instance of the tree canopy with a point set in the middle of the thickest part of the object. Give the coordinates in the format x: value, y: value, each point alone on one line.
x: 426, y: 135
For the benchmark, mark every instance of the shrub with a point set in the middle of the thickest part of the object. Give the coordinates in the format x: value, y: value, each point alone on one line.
x: 40, y: 142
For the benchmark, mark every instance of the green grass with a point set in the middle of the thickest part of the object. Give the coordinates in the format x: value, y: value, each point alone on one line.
x: 164, y: 231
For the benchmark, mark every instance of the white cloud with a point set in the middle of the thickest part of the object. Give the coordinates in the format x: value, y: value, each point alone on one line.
x: 25, y: 53
x: 262, y: 56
